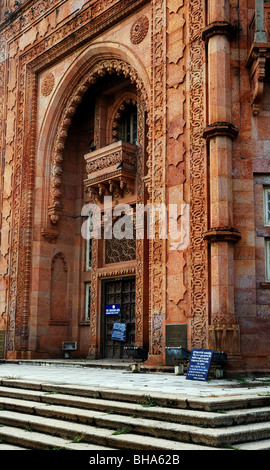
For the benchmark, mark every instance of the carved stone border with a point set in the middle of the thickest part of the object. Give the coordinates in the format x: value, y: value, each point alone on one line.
x: 198, y: 168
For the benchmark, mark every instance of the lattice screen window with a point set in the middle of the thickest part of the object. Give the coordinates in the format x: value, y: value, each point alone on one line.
x: 120, y: 250
x: 87, y: 301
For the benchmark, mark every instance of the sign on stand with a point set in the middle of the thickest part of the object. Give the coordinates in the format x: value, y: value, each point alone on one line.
x: 119, y: 331
x: 199, y: 364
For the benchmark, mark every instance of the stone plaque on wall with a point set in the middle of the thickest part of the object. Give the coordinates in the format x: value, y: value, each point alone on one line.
x: 176, y: 336
x: 2, y: 344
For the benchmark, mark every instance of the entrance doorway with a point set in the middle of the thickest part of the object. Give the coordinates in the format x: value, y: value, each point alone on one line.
x: 118, y: 291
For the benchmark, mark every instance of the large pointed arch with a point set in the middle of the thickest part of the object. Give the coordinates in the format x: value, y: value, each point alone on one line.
x: 94, y: 62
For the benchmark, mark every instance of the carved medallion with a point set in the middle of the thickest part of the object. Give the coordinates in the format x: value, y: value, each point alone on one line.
x: 139, y: 30
x: 47, y: 84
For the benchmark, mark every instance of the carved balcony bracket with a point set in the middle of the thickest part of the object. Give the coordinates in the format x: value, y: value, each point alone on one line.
x: 257, y: 61
x: 111, y: 170
x: 50, y: 235
x: 222, y: 234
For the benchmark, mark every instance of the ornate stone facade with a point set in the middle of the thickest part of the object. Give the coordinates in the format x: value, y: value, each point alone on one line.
x: 197, y: 74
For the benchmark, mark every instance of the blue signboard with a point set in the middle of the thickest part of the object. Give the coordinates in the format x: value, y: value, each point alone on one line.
x: 114, y: 309
x: 119, y: 331
x: 199, y: 364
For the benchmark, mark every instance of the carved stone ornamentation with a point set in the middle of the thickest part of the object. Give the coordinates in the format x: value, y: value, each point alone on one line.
x: 198, y: 166
x: 111, y: 168
x: 139, y: 29
x: 50, y: 235
x: 47, y: 85
x: 256, y: 63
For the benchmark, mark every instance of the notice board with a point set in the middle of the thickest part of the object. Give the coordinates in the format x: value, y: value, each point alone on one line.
x: 199, y: 364
x: 119, y: 331
x: 114, y: 309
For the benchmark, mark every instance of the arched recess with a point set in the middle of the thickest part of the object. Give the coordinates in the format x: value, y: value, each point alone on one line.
x: 96, y: 61
x: 100, y: 69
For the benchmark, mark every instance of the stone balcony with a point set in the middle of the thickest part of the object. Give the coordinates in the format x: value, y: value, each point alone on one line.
x: 111, y: 170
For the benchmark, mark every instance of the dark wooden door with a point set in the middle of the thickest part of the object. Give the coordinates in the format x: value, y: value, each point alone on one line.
x: 118, y: 291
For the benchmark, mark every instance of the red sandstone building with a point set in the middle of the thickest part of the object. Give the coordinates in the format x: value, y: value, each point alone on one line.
x: 148, y: 102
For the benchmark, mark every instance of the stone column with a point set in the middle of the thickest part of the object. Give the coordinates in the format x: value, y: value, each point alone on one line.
x: 223, y: 330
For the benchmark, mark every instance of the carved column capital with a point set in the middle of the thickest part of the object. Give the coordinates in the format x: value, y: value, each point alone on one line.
x: 220, y: 129
x: 219, y: 28
x: 222, y: 234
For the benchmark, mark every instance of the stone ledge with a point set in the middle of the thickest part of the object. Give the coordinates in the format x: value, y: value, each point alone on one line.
x: 218, y: 28
x: 222, y: 234
x: 220, y: 129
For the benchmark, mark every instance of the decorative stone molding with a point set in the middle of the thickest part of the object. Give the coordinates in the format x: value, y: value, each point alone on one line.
x: 220, y: 129
x: 198, y: 177
x: 117, y: 271
x: 50, y: 235
x: 222, y: 234
x: 221, y: 28
x: 139, y: 29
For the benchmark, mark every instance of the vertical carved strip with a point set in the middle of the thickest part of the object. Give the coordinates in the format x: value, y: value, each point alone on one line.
x: 140, y: 256
x: 18, y: 80
x: 158, y: 175
x: 3, y: 235
x: 92, y: 353
x: 27, y: 157
x: 198, y: 166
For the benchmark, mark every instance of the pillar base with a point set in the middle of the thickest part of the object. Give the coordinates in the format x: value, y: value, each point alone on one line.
x: 154, y: 360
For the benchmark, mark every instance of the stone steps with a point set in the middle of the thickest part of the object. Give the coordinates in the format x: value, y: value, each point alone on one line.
x: 174, y: 415
x: 41, y: 416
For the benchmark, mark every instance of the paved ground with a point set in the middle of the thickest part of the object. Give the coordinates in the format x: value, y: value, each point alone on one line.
x: 118, y: 377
